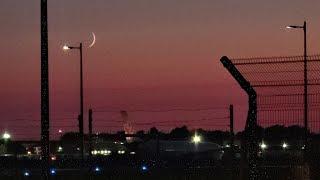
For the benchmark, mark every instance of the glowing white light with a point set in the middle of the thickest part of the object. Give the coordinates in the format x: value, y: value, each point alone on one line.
x: 263, y: 146
x: 65, y: 47
x: 6, y: 136
x: 132, y: 152
x: 121, y: 152
x: 53, y: 158
x: 144, y: 168
x: 60, y: 149
x: 106, y: 152
x: 26, y: 173
x: 52, y: 171
x: 196, y: 138
x: 29, y: 152
x: 284, y: 145
x: 97, y: 169
x: 60, y: 130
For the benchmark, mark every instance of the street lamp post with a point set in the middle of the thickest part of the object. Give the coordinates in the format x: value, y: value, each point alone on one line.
x: 305, y: 75
x: 60, y: 134
x: 65, y: 47
x: 45, y: 108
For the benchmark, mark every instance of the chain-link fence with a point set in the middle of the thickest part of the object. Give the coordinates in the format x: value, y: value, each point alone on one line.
x: 286, y: 116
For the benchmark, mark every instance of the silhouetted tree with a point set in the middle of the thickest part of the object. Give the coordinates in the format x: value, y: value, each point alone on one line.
x: 141, y: 134
x: 153, y: 132
x: 180, y: 133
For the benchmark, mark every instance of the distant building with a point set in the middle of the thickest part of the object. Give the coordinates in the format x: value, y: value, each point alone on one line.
x: 167, y: 148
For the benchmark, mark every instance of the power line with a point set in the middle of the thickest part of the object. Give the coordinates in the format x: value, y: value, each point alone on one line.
x: 164, y: 110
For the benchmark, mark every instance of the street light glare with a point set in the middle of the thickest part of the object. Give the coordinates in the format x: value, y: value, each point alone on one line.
x: 65, y: 47
x: 196, y: 139
x: 263, y: 146
x: 6, y: 136
x: 294, y: 27
x: 284, y: 145
x: 26, y: 173
x: 52, y: 171
x: 97, y: 169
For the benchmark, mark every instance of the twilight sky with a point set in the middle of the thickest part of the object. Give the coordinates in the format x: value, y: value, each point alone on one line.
x: 149, y: 55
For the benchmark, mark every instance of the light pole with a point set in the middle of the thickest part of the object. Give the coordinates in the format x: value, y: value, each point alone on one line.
x: 60, y: 135
x: 304, y: 28
x: 65, y: 47
x: 45, y: 109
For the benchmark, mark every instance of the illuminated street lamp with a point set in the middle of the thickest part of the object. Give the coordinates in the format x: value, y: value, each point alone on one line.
x: 196, y: 139
x: 26, y: 173
x: 66, y: 48
x: 263, y: 146
x: 284, y: 145
x: 60, y: 133
x: 60, y: 149
x: 305, y: 76
x: 6, y: 136
x: 97, y: 169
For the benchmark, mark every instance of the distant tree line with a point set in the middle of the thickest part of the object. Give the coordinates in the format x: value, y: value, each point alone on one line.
x: 272, y: 133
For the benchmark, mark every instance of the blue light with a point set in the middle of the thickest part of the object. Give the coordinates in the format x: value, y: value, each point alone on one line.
x: 26, y: 173
x: 97, y: 169
x: 144, y: 168
x: 52, y: 171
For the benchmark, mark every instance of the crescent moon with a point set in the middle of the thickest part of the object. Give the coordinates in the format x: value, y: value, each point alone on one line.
x: 93, y: 41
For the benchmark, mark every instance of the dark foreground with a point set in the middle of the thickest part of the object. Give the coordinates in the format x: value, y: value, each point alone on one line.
x: 131, y: 168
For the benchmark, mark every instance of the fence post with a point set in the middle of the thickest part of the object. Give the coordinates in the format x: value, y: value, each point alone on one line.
x: 45, y: 139
x: 233, y: 167
x: 231, y: 126
x: 251, y: 123
x: 90, y: 133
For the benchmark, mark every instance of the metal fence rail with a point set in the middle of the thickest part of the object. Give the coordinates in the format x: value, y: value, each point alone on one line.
x: 287, y: 96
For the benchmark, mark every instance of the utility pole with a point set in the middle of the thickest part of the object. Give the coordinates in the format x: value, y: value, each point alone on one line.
x: 80, y: 118
x: 81, y: 105
x: 158, y: 145
x: 90, y: 132
x: 305, y: 82
x: 231, y: 125
x: 81, y: 138
x: 305, y: 85
x: 44, y: 92
x: 232, y: 142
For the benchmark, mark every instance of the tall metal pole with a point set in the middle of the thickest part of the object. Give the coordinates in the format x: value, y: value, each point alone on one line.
x: 81, y: 105
x: 90, y: 132
x: 232, y: 141
x: 231, y: 125
x: 251, y: 141
x: 44, y: 91
x: 305, y: 85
